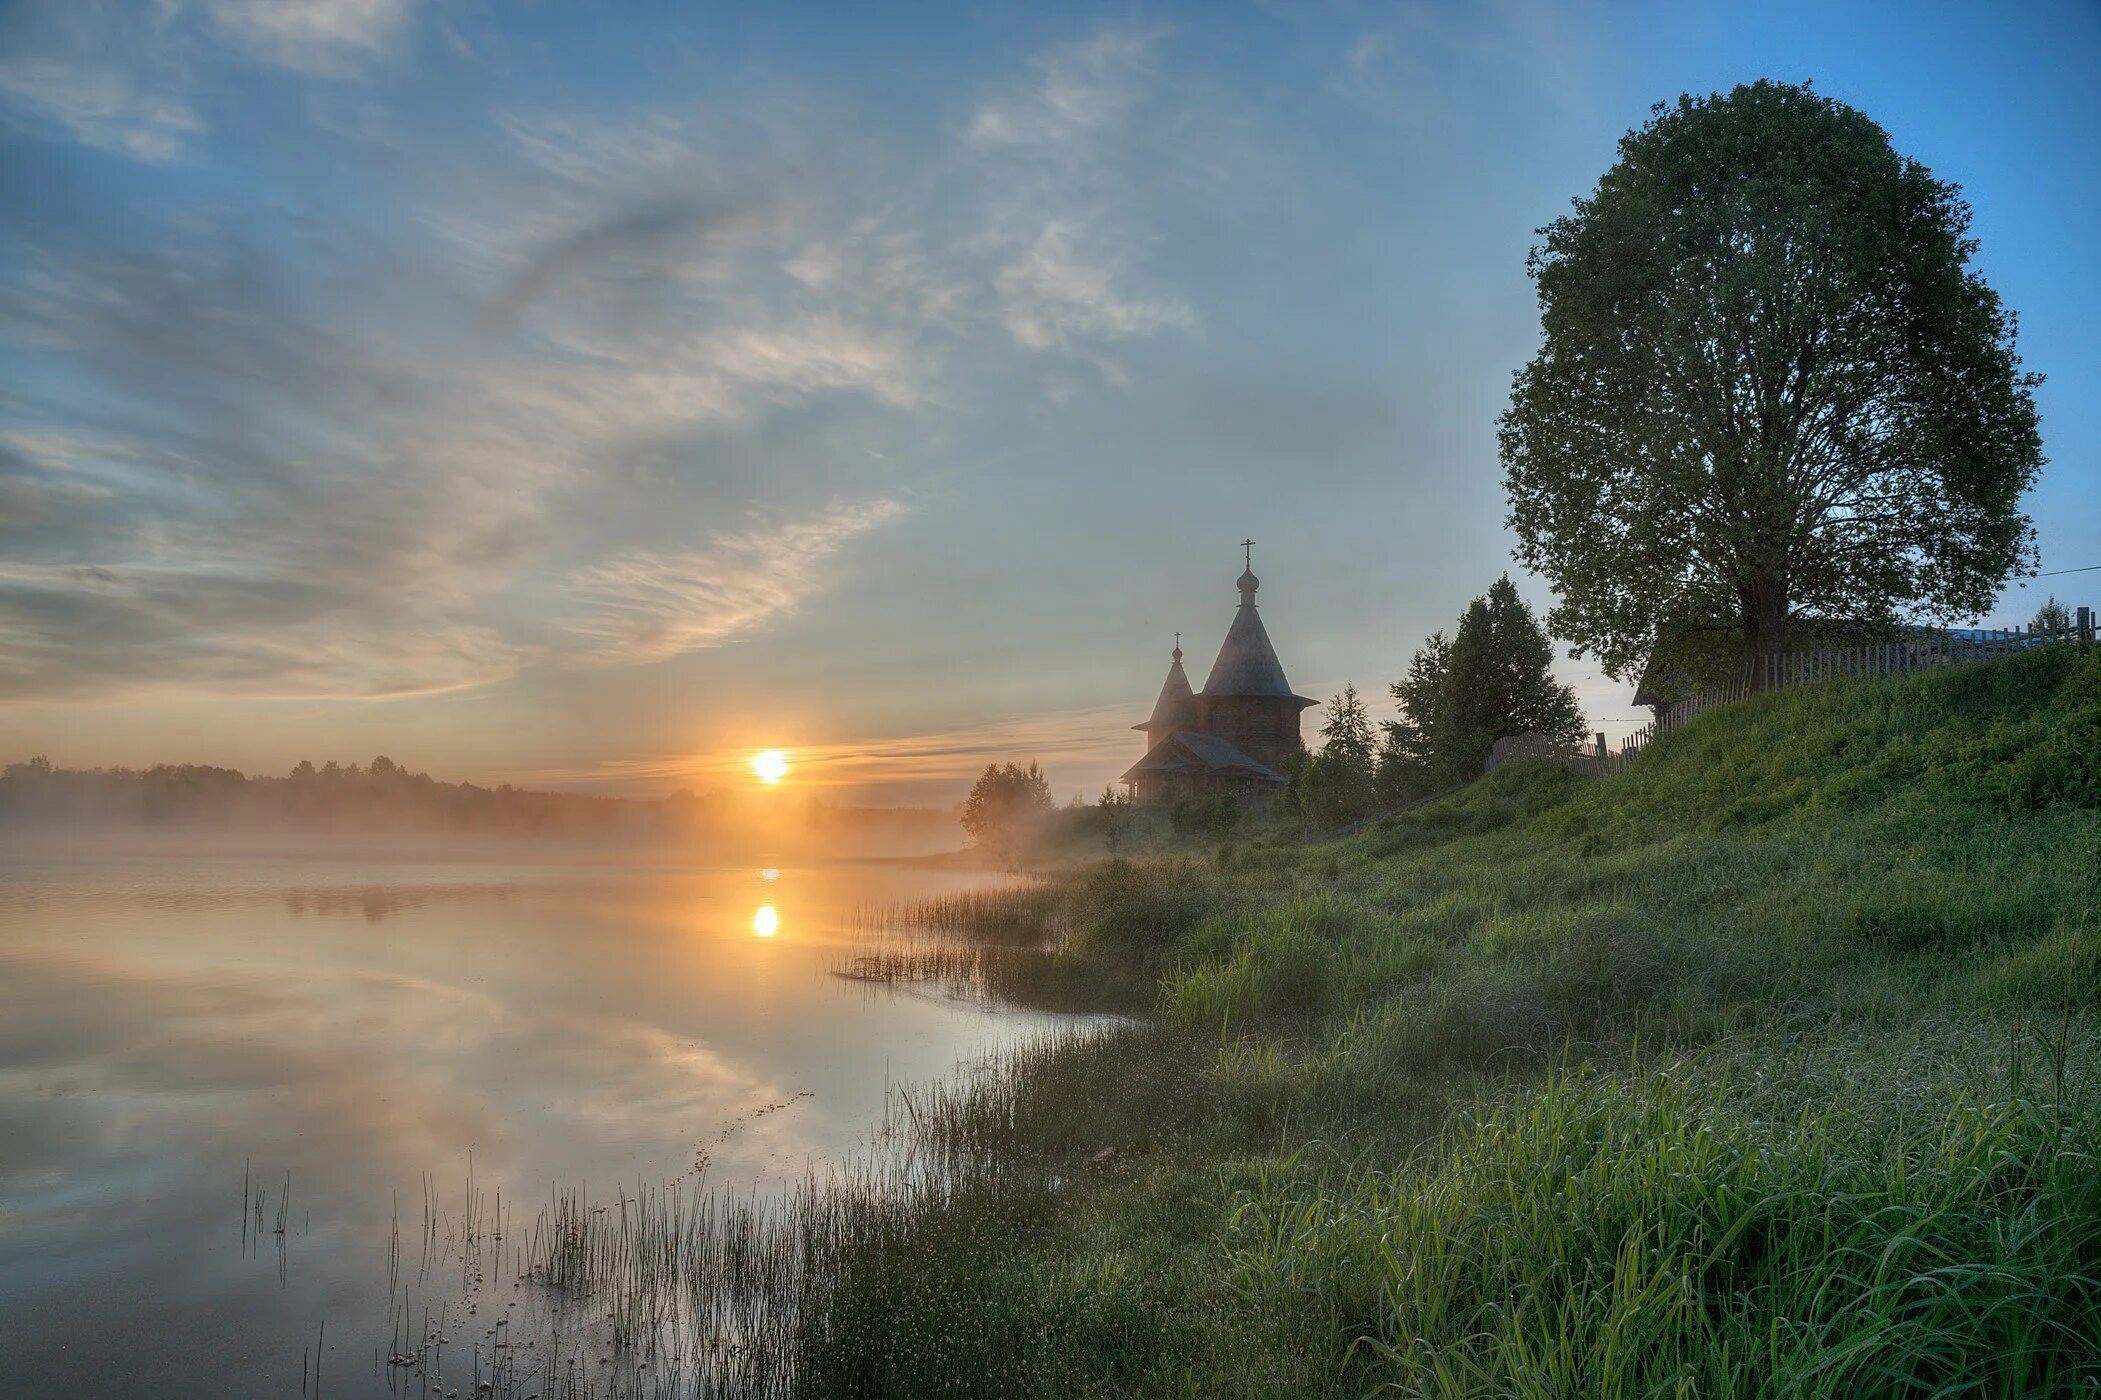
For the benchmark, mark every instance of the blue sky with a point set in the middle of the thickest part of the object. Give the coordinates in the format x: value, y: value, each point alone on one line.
x: 588, y: 394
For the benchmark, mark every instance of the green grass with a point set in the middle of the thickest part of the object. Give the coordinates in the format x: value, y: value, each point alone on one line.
x: 1765, y: 1068
x: 1735, y: 1074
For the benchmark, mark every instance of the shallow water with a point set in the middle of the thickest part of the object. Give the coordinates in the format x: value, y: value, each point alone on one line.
x: 172, y: 1028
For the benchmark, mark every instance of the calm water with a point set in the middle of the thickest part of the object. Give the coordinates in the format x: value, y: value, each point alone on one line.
x: 167, y: 1024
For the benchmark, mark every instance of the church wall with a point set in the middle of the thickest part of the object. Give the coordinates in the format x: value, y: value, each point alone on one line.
x: 1264, y: 728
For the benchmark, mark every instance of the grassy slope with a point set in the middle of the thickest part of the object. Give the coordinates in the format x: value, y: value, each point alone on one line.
x: 1739, y: 1073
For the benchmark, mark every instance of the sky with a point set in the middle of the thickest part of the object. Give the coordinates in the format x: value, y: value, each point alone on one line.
x: 584, y: 396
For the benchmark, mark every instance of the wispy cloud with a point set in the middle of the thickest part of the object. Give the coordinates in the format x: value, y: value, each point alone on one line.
x: 363, y: 453
x: 102, y: 107
x: 1081, y: 91
x: 647, y: 606
x: 126, y: 78
x: 1055, y: 148
x: 1050, y: 296
x: 317, y: 36
x: 1414, y: 64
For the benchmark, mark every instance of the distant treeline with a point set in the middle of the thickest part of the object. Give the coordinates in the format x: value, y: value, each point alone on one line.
x: 384, y: 796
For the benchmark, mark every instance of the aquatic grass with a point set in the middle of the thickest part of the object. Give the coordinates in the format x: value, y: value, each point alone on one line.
x: 1024, y: 912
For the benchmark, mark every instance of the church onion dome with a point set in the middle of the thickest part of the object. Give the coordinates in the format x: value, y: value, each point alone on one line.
x: 1176, y: 707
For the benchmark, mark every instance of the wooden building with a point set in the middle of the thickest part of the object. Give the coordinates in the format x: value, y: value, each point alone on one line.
x: 1233, y: 735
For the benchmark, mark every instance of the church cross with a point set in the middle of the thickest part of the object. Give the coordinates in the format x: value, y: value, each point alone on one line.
x: 1247, y: 549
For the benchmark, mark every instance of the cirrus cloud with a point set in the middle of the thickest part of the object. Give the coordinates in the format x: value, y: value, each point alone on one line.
x: 647, y: 606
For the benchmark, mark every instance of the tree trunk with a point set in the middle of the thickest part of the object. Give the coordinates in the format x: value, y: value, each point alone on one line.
x: 1765, y: 626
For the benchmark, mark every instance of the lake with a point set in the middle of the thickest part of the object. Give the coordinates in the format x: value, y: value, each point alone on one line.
x: 197, y: 1050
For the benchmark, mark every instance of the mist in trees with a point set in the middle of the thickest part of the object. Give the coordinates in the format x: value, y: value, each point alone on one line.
x: 384, y: 798
x: 1007, y: 810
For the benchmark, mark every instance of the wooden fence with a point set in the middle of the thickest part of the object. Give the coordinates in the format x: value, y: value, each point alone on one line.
x: 1581, y: 759
x: 1780, y: 670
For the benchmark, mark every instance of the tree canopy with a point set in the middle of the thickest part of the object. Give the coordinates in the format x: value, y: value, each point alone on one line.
x: 1773, y: 394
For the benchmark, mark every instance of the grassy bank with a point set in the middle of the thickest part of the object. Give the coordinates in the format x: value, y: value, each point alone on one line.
x: 1766, y: 1067
x: 1762, y: 1068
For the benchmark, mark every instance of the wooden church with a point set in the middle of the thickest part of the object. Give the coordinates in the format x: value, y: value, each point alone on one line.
x: 1230, y: 737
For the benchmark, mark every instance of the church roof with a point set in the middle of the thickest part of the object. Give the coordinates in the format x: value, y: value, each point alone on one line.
x: 1247, y: 664
x: 1176, y: 707
x: 1187, y: 749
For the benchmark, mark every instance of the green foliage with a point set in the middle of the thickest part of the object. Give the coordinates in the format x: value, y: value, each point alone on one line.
x: 1772, y: 388
x: 1408, y: 750
x: 1494, y: 678
x: 1007, y: 809
x: 1346, y: 732
x: 1338, y: 784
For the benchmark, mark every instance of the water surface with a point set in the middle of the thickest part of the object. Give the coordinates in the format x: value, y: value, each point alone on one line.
x: 177, y: 1034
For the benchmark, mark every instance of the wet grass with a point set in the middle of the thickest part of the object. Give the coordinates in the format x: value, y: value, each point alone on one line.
x: 1764, y: 1068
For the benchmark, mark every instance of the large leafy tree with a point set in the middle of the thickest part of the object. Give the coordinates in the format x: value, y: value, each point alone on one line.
x: 1773, y: 393
x: 1495, y: 677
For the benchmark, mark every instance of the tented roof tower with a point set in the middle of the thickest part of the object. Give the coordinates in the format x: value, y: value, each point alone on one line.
x: 1247, y: 664
x: 1176, y: 707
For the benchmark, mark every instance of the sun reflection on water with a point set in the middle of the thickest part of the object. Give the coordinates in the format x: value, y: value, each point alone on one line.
x: 766, y: 922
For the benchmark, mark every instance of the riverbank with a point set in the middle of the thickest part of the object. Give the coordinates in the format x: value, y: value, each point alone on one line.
x: 1763, y: 1066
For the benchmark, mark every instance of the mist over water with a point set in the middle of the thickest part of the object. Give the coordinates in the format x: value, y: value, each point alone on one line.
x: 179, y: 1032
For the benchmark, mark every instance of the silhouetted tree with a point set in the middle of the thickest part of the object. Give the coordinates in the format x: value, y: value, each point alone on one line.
x: 1114, y: 814
x: 1006, y: 808
x: 1772, y: 390
x: 1336, y: 785
x: 1495, y: 677
x: 1407, y: 757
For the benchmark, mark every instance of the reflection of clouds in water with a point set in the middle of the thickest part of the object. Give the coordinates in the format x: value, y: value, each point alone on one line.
x: 119, y: 1077
x: 600, y: 1024
x: 392, y: 1070
x: 54, y: 1009
x: 633, y: 1080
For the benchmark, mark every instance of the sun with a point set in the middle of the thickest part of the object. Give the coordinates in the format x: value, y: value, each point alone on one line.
x: 771, y: 765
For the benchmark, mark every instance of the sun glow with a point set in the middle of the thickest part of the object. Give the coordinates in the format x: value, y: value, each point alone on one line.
x: 766, y: 922
x: 771, y: 765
